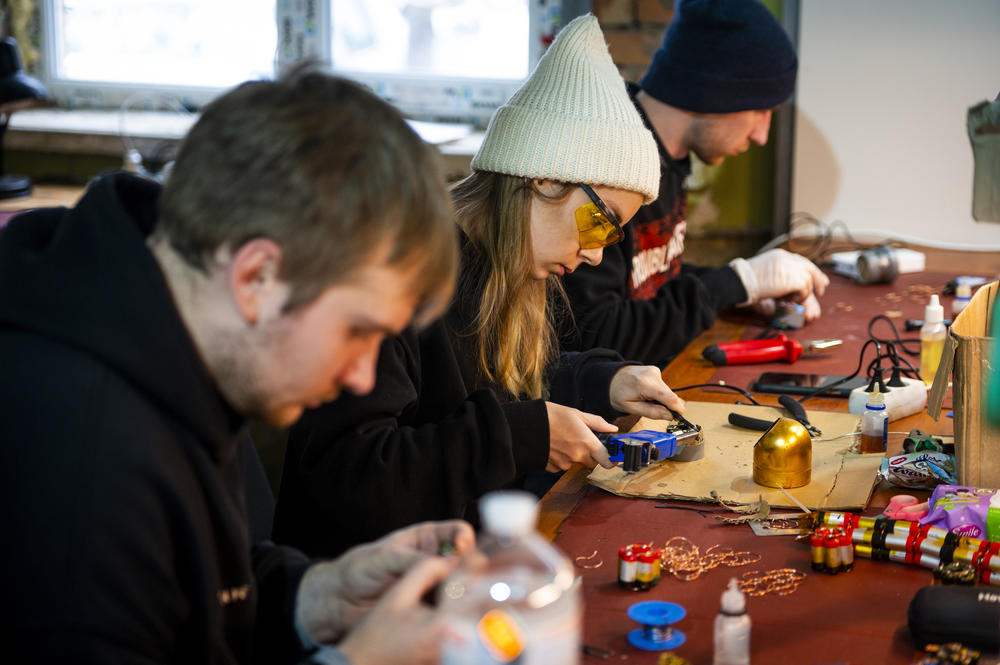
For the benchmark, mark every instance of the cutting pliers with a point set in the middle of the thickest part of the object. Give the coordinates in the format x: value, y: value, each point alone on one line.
x: 787, y: 401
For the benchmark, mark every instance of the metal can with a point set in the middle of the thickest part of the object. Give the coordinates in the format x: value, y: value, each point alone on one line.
x: 648, y: 570
x: 627, y: 562
x: 816, y: 548
x: 831, y: 553
x: 846, y: 552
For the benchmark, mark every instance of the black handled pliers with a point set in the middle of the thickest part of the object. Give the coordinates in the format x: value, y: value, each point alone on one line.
x: 759, y: 424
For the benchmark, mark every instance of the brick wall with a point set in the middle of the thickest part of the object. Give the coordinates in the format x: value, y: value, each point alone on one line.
x: 633, y: 29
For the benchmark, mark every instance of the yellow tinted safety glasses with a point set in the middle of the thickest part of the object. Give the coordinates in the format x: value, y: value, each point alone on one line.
x: 597, y: 226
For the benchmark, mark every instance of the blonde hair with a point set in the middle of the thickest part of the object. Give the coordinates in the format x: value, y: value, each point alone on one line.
x: 512, y: 327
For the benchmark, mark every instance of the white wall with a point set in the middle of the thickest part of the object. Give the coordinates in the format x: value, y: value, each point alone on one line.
x: 880, y: 135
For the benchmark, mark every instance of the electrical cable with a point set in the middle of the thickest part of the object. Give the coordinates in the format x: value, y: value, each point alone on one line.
x: 720, y: 385
x: 815, y: 240
x: 822, y: 389
x: 896, y: 337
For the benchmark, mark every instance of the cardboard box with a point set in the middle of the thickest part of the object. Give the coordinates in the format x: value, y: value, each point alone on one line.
x: 967, y: 359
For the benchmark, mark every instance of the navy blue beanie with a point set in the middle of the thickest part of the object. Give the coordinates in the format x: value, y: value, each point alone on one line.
x: 722, y: 56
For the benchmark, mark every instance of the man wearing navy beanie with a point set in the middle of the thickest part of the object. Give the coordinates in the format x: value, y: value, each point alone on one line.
x: 710, y: 89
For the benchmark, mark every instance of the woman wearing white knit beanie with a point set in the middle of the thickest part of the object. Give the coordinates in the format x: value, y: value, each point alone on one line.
x: 481, y: 399
x: 564, y: 163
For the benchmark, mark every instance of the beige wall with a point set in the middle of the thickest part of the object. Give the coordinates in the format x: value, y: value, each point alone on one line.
x: 883, y: 90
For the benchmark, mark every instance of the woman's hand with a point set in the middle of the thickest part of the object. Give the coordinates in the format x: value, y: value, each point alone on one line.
x: 572, y: 439
x: 640, y: 390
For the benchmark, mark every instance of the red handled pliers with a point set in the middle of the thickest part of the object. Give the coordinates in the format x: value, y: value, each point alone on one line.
x: 765, y: 350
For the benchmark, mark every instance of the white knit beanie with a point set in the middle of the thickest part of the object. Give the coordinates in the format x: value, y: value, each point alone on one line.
x: 573, y: 121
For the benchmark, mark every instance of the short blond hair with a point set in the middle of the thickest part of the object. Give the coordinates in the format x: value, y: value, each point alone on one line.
x: 325, y: 169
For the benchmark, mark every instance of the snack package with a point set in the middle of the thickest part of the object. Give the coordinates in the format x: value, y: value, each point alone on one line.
x: 962, y: 510
x: 921, y: 470
x: 993, y: 519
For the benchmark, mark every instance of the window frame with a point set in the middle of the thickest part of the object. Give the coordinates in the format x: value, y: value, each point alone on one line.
x: 80, y: 93
x: 408, y: 93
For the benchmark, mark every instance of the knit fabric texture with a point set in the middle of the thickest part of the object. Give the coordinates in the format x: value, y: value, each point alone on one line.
x: 722, y: 56
x: 573, y: 121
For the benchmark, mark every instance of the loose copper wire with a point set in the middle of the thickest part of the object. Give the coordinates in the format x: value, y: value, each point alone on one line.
x: 593, y: 554
x: 683, y: 559
x: 781, y: 582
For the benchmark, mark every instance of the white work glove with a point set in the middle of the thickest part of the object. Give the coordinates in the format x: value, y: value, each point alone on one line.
x: 334, y: 595
x: 780, y: 274
x: 400, y: 628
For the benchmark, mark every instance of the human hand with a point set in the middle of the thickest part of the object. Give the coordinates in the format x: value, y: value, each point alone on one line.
x: 767, y: 307
x: 640, y: 390
x: 400, y: 628
x: 777, y: 273
x: 810, y: 306
x: 333, y: 595
x: 572, y: 439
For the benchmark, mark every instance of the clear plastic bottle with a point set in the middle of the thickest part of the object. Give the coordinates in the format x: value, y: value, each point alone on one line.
x: 963, y: 294
x: 874, y: 424
x: 932, y: 336
x: 732, y: 628
x: 522, y: 603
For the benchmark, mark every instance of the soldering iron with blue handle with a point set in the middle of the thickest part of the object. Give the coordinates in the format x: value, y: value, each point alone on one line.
x: 635, y: 450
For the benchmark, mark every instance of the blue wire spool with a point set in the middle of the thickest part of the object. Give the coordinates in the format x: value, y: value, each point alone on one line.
x: 656, y: 617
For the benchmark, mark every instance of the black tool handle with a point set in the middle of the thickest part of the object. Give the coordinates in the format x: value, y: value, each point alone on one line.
x: 746, y: 422
x: 714, y: 354
x: 797, y: 410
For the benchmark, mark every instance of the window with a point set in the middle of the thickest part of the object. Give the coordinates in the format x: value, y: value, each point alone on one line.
x: 97, y: 52
x: 435, y: 59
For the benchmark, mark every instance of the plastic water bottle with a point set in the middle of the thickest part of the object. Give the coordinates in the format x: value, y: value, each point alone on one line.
x: 522, y: 603
x: 732, y: 628
x: 932, y: 336
x: 874, y: 424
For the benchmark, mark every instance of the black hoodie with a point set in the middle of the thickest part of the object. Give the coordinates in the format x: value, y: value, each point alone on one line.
x: 431, y: 438
x: 642, y: 301
x: 123, y: 469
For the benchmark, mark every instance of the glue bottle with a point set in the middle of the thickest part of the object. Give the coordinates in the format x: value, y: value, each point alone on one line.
x: 932, y: 336
x: 521, y: 603
x: 732, y: 628
x: 874, y: 424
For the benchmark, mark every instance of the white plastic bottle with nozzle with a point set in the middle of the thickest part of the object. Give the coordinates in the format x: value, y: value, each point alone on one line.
x: 932, y: 336
x: 732, y: 628
x: 521, y: 602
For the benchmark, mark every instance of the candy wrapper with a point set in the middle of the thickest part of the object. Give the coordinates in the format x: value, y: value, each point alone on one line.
x: 921, y: 470
x: 962, y: 510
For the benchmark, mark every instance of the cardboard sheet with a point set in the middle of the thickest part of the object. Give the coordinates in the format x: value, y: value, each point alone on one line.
x: 841, y: 479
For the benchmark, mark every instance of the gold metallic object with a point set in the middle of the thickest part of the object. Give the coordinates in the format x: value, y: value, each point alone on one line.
x: 782, y: 457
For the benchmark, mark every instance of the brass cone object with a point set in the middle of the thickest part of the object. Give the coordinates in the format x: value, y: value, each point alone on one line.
x: 782, y: 457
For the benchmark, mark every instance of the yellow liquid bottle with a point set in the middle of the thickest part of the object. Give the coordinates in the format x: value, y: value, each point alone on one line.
x: 932, y: 336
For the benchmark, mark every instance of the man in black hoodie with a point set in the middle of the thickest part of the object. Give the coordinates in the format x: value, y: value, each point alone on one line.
x: 302, y: 223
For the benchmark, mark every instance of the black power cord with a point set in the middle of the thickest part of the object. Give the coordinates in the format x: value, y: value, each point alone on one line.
x: 895, y: 339
x: 724, y: 386
x: 822, y: 389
